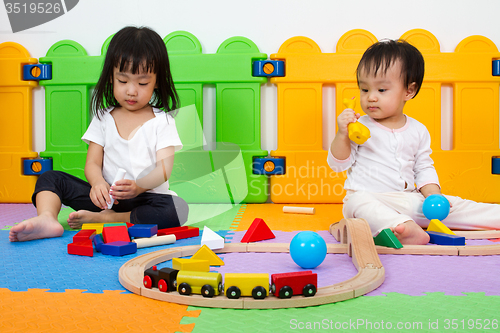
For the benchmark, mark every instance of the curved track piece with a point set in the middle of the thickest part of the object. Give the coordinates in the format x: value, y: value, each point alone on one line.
x: 357, y: 235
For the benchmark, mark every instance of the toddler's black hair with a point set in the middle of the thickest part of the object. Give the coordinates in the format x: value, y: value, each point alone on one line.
x: 136, y: 49
x: 381, y: 55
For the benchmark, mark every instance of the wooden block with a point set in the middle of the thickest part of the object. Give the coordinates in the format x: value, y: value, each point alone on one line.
x: 438, y: 226
x: 115, y: 233
x: 83, y: 235
x: 180, y: 232
x: 95, y: 226
x: 258, y: 231
x: 211, y: 239
x: 268, y: 247
x: 204, y: 253
x: 387, y: 238
x: 445, y: 239
x: 154, y: 241
x: 119, y: 248
x: 191, y: 264
x: 299, y: 210
x: 143, y: 230
x: 82, y: 248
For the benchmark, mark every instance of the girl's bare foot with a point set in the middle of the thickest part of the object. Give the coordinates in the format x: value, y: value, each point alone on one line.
x: 76, y: 219
x: 42, y: 226
x: 411, y: 233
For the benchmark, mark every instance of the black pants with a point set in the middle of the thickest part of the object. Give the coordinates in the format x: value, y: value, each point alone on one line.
x: 167, y: 211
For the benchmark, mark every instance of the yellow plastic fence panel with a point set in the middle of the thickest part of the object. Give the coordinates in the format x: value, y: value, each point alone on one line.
x: 15, y: 124
x: 308, y: 178
x: 464, y: 171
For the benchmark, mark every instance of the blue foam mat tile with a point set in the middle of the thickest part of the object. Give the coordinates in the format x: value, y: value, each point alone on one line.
x: 46, y: 264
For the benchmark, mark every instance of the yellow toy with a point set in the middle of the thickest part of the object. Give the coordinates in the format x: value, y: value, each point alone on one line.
x: 204, y: 253
x: 246, y: 284
x: 438, y: 226
x: 358, y: 132
x: 190, y: 265
x: 207, y: 284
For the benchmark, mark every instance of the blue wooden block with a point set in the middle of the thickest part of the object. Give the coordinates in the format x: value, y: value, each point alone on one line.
x: 445, y: 239
x: 36, y: 166
x: 496, y: 68
x: 37, y: 72
x: 98, y: 242
x: 119, y: 248
x: 143, y: 230
x: 269, y: 166
x: 495, y: 165
x: 268, y: 68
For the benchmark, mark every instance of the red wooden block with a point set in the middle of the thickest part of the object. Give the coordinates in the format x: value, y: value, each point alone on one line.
x: 258, y: 231
x: 83, y: 235
x: 115, y: 233
x: 180, y: 232
x: 83, y: 248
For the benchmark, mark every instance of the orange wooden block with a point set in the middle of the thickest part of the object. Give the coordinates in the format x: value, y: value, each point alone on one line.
x: 258, y: 231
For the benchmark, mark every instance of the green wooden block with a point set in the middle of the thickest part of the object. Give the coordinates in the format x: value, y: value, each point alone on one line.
x: 116, y: 224
x: 386, y: 238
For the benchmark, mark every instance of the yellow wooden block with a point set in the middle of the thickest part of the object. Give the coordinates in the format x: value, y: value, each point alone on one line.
x: 204, y: 253
x: 438, y: 226
x: 96, y: 226
x: 190, y: 265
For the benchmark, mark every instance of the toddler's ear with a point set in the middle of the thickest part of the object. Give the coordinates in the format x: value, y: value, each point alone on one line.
x: 411, y: 91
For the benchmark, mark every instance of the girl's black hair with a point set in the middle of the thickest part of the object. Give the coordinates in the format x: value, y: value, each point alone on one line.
x: 381, y: 55
x: 136, y: 49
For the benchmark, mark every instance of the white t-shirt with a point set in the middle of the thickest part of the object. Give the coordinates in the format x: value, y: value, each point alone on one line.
x: 138, y: 154
x: 391, y: 160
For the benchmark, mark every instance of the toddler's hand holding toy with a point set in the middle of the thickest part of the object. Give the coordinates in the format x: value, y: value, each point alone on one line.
x: 358, y: 132
x: 99, y: 195
x: 125, y: 189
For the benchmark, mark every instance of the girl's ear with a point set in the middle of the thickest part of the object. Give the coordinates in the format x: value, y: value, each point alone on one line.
x: 411, y: 91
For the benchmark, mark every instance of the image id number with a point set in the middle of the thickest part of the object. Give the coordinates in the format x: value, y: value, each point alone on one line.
x: 33, y: 7
x: 478, y: 324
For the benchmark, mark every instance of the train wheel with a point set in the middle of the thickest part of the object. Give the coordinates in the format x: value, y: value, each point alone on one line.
x: 309, y: 290
x: 163, y: 286
x: 148, y: 283
x: 207, y: 291
x: 184, y: 289
x: 259, y: 292
x: 233, y: 292
x: 285, y: 292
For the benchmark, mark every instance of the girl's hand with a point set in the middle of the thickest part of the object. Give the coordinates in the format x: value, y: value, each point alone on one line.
x: 344, y: 119
x: 126, y: 189
x: 99, y: 195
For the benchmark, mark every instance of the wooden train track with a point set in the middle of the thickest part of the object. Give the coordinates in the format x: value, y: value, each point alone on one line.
x: 358, y: 242
x: 355, y: 239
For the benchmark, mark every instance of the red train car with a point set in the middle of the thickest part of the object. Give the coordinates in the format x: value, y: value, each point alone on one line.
x: 285, y: 285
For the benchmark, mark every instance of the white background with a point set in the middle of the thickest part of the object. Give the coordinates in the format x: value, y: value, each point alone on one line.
x: 267, y: 23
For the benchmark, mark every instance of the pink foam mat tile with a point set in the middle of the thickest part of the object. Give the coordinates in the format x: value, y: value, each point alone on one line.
x: 11, y: 214
x: 412, y: 275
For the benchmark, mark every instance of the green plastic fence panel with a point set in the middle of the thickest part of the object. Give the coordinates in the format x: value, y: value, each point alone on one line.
x: 199, y: 175
x: 67, y: 98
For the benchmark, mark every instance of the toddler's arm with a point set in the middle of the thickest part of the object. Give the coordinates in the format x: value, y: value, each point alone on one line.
x: 341, y: 145
x: 93, y: 171
x: 430, y: 189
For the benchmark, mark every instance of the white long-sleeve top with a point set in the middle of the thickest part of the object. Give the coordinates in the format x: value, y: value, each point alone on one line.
x: 391, y: 160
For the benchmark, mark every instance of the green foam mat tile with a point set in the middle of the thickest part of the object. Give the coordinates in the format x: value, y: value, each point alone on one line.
x: 215, y: 216
x: 63, y: 217
x: 434, y: 312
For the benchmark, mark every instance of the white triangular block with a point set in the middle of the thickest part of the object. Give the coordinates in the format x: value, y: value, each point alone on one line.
x: 211, y: 239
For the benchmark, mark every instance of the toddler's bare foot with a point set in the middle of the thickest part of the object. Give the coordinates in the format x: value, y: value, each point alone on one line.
x: 41, y: 226
x: 76, y: 219
x: 411, y: 233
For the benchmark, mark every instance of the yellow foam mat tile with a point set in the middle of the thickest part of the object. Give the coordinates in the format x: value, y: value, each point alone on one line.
x: 274, y: 217
x: 37, y: 310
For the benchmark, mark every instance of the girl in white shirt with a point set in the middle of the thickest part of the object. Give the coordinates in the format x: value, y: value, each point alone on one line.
x: 133, y: 128
x: 391, y: 174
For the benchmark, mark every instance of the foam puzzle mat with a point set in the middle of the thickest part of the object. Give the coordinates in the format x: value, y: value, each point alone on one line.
x: 44, y: 289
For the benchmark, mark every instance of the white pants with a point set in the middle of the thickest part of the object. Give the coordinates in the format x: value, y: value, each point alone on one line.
x: 387, y: 210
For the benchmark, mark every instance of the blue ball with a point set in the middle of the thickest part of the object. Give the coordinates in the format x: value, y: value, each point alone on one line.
x: 308, y: 249
x: 436, y: 206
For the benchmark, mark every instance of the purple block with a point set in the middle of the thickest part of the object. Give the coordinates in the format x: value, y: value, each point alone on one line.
x: 119, y: 248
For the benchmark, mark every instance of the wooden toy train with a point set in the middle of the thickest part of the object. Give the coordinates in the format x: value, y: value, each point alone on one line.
x: 209, y: 284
